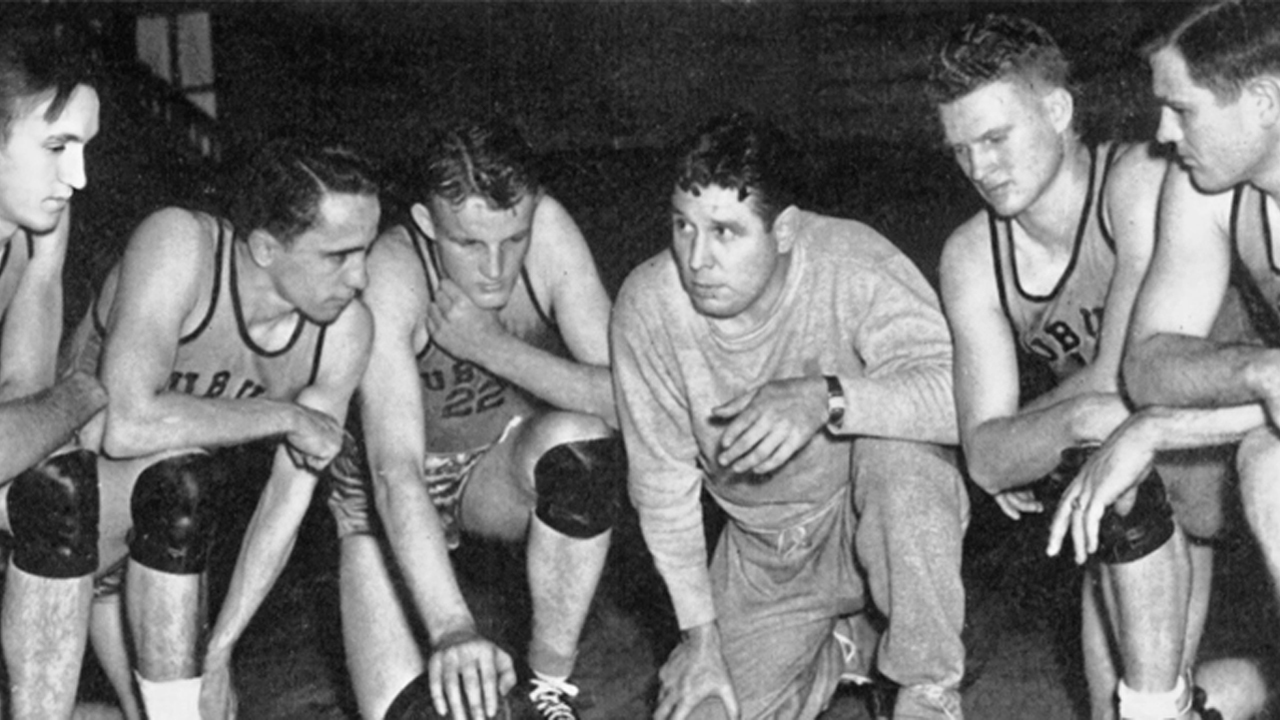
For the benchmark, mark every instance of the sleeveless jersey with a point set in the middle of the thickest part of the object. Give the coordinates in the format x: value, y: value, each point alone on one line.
x: 13, y: 264
x: 1255, y: 256
x: 466, y: 406
x: 218, y: 359
x: 1063, y: 327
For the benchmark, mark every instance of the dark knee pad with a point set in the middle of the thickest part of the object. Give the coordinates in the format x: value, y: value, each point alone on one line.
x: 174, y: 514
x: 53, y: 510
x: 1149, y: 525
x: 579, y: 486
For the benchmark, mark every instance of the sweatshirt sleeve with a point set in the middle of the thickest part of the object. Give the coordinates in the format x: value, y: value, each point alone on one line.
x: 664, y: 479
x: 904, y: 343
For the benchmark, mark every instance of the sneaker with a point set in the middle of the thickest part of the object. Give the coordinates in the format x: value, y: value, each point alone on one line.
x: 539, y: 699
x: 857, y: 638
x: 927, y: 702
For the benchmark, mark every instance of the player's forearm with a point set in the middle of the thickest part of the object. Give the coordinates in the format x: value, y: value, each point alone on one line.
x: 35, y: 426
x: 1009, y: 452
x: 1185, y: 371
x: 565, y: 384
x: 175, y: 420
x: 1163, y: 428
x: 266, y: 548
x: 418, y: 542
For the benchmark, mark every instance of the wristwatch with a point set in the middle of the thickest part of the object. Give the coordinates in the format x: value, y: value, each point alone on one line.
x: 835, y: 401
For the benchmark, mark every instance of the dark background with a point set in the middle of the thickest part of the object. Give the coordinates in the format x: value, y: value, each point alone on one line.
x: 600, y: 90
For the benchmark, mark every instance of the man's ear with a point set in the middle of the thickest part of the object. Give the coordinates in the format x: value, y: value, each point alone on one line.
x: 1061, y: 106
x: 1264, y: 92
x: 785, y: 227
x: 263, y: 247
x: 422, y: 216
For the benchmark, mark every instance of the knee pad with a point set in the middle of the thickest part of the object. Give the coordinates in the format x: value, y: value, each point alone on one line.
x: 174, y: 514
x: 53, y: 510
x: 579, y: 485
x: 1149, y: 525
x: 414, y: 702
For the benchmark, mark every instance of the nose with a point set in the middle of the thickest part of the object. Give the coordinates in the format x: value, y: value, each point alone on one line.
x: 492, y: 267
x: 1168, y: 131
x: 980, y: 163
x: 699, y: 253
x: 71, y: 167
x: 357, y: 276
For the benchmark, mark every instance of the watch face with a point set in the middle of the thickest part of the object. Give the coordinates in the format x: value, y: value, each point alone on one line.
x: 835, y: 400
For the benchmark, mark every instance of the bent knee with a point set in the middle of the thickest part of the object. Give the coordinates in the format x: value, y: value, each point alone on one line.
x: 53, y: 510
x: 175, y: 514
x: 579, y: 486
x: 1258, y: 460
x: 905, y: 471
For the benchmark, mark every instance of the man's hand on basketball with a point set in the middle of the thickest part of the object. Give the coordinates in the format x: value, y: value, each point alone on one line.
x: 315, y: 440
x: 695, y: 672
x: 469, y: 675
x: 767, y: 426
x: 1110, y: 476
x: 464, y: 330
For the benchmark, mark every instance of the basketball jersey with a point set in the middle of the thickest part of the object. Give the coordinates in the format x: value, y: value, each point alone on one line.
x: 13, y: 263
x: 1063, y: 327
x: 218, y: 359
x: 1255, y: 254
x: 465, y: 405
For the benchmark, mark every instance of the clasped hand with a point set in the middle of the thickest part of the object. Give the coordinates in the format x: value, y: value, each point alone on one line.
x: 462, y: 329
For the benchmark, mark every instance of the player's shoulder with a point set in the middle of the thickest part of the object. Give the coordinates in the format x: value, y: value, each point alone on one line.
x: 1138, y: 167
x: 176, y: 232
x: 396, y: 272
x: 554, y: 230
x: 967, y: 248
x: 393, y: 250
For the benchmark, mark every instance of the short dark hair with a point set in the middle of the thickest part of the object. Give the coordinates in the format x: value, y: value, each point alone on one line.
x: 489, y: 159
x: 36, y: 58
x: 1225, y: 44
x: 992, y: 49
x: 746, y: 153
x: 281, y: 188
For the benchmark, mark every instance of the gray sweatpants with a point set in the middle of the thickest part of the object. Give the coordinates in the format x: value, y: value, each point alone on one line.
x: 780, y: 592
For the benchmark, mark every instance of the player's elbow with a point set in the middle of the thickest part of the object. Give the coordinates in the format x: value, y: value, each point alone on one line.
x: 123, y: 436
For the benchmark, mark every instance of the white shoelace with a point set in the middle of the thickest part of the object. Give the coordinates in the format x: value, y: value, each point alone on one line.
x: 548, y: 697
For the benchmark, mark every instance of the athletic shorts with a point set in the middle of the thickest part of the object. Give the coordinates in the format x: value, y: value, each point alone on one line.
x: 446, y: 476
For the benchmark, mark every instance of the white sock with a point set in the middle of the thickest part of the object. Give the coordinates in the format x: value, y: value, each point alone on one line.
x: 170, y: 699
x: 561, y: 683
x: 1165, y: 705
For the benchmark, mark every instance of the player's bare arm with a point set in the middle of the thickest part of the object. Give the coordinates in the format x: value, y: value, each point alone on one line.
x: 562, y: 271
x: 164, y: 281
x: 394, y: 425
x: 1169, y: 360
x: 1006, y: 447
x: 273, y: 529
x: 39, y: 412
